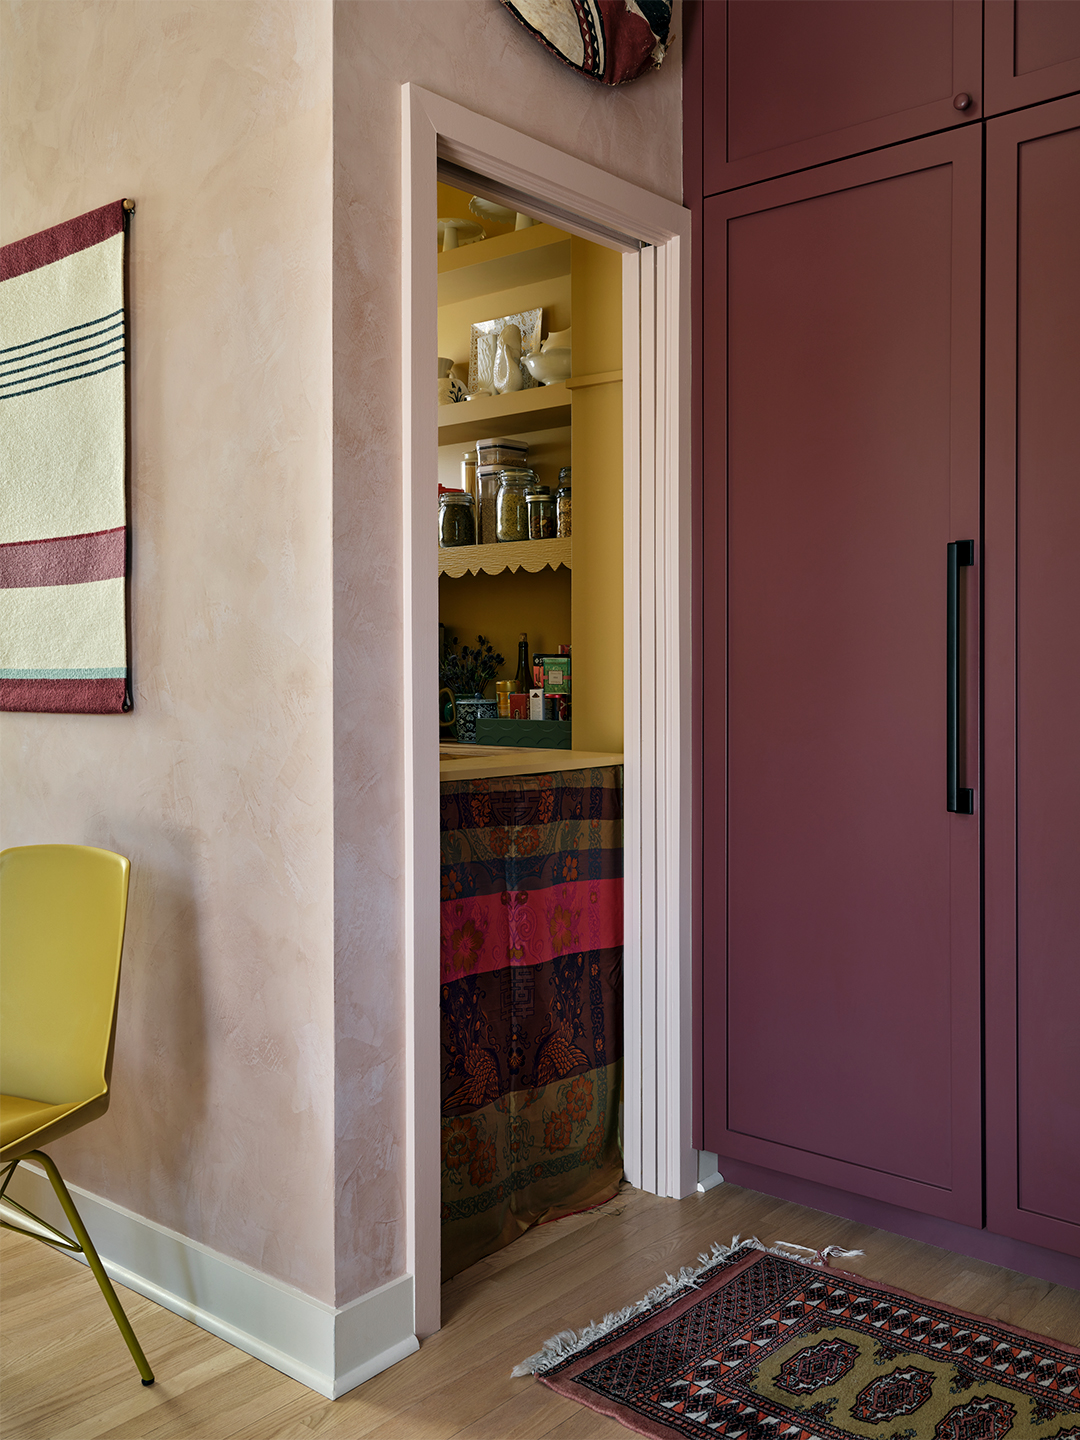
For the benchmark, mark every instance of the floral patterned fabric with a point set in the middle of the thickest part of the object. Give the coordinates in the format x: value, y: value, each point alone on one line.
x: 531, y: 995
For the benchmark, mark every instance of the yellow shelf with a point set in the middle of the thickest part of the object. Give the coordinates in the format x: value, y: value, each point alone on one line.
x: 502, y: 263
x: 545, y: 407
x: 531, y: 555
x: 606, y: 377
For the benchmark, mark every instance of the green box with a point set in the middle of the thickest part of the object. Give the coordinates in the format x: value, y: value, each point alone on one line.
x: 538, y: 734
x: 560, y: 663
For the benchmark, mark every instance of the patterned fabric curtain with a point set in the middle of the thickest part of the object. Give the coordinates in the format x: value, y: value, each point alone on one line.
x: 531, y: 999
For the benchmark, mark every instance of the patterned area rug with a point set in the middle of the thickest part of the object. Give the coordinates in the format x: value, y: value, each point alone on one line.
x: 759, y: 1346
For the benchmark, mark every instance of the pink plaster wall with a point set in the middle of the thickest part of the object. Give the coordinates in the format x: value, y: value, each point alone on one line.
x: 475, y: 53
x: 259, y: 1085
x: 217, y: 119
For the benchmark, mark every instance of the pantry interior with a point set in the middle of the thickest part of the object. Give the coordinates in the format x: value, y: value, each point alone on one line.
x: 531, y: 826
x: 557, y: 591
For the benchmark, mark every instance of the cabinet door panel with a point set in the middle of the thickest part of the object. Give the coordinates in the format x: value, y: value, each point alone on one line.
x: 844, y: 986
x: 1033, y: 675
x: 792, y: 83
x: 1032, y: 52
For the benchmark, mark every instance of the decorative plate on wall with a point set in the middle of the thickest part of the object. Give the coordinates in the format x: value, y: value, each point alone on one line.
x: 609, y: 40
x: 527, y: 321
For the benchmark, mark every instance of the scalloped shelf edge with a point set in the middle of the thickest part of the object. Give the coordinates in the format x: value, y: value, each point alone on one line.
x: 530, y: 555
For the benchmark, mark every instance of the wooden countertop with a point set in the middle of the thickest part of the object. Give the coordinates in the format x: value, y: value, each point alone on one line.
x: 481, y: 762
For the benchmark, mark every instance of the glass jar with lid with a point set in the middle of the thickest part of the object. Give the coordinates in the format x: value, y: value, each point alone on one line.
x: 487, y: 487
x: 563, y: 504
x: 457, y: 518
x: 541, y: 505
x: 468, y: 473
x: 511, y: 509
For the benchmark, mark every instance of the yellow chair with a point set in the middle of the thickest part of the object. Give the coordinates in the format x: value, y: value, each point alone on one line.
x: 62, y: 912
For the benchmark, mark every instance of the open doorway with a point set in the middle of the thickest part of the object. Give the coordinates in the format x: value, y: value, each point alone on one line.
x: 652, y: 234
x: 531, y: 629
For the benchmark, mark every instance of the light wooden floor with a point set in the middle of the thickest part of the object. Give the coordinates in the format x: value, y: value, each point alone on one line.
x: 68, y: 1376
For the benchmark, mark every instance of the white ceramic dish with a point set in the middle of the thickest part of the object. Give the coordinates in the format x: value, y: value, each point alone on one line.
x: 486, y: 210
x: 453, y: 232
x: 548, y: 366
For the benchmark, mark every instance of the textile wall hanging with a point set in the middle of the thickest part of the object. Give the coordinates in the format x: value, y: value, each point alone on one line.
x: 613, y: 41
x: 63, y: 457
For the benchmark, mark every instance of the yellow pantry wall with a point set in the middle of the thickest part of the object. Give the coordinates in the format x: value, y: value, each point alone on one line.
x: 598, y: 501
x: 501, y: 606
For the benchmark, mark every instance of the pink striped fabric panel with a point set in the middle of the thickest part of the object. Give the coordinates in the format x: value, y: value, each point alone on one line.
x: 481, y: 933
x: 67, y: 560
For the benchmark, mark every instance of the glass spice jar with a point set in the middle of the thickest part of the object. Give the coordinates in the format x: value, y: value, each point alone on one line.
x: 468, y: 474
x: 563, y: 504
x: 511, y: 509
x: 541, y: 506
x: 487, y: 485
x: 457, y: 520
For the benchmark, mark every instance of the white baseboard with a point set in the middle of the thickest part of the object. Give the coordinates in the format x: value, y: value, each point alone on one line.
x: 329, y: 1350
x: 708, y: 1173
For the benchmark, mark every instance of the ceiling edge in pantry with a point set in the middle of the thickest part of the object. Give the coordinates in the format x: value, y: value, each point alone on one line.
x: 528, y: 204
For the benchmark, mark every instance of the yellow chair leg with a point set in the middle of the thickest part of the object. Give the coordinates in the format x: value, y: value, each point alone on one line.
x: 94, y: 1260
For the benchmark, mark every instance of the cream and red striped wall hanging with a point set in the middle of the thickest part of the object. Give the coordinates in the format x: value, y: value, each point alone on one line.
x: 63, y: 443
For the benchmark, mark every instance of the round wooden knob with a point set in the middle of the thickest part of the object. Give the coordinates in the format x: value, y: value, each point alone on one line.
x: 961, y: 101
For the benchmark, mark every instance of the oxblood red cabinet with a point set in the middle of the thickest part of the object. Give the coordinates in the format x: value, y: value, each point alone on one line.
x: 1033, y: 675
x: 1032, y: 52
x: 891, y: 991
x: 842, y: 997
x: 792, y: 83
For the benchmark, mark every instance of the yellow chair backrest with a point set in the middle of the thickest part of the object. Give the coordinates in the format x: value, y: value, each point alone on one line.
x: 62, y: 912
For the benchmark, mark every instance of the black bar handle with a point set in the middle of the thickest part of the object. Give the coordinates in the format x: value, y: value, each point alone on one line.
x: 959, y: 799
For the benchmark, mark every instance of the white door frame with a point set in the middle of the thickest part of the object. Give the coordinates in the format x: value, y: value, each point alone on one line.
x: 660, y: 928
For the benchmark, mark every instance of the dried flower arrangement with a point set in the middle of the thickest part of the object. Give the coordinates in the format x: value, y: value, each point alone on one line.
x: 471, y: 672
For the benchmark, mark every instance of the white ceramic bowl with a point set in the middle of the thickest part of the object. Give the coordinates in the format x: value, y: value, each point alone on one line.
x: 485, y: 210
x: 453, y: 232
x: 549, y: 367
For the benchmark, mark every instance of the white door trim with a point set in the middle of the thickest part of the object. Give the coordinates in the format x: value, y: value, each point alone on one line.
x: 659, y: 1155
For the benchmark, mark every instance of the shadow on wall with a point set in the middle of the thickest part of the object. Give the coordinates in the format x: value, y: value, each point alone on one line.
x: 159, y: 1101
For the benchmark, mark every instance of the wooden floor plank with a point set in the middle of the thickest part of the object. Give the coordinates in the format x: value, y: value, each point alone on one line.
x: 68, y: 1375
x: 586, y: 1424
x: 528, y: 1415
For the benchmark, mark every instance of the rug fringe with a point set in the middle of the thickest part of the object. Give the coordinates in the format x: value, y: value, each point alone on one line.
x: 568, y: 1342
x: 820, y: 1257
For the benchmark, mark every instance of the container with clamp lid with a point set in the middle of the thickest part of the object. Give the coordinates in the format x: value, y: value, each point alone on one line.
x: 487, y: 489
x: 541, y: 506
x: 563, y: 507
x: 457, y: 520
x: 501, y: 451
x: 511, y: 509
